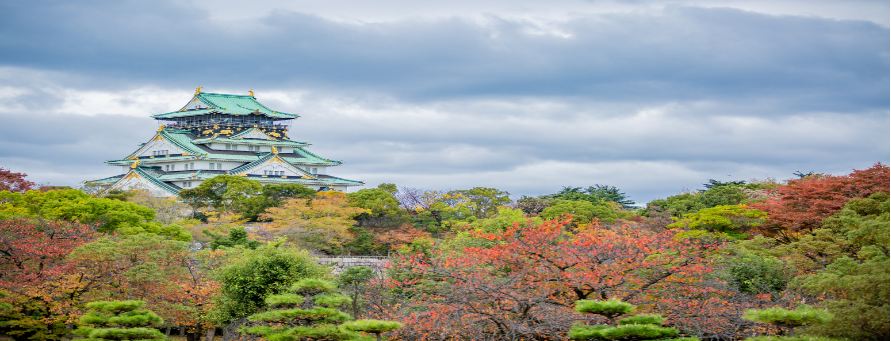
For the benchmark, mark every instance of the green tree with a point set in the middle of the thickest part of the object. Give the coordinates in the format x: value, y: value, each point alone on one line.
x: 271, y: 195
x: 308, y: 311
x: 119, y: 320
x: 376, y: 327
x: 637, y: 327
x: 75, y: 206
x: 717, y: 193
x: 390, y: 188
x: 787, y: 320
x: 253, y: 275
x: 237, y: 236
x: 221, y: 192
x: 378, y: 202
x: 733, y: 220
x: 610, y: 194
x: 582, y: 212
x: 753, y: 274
x: 857, y: 281
x: 353, y: 281
x: 484, y: 200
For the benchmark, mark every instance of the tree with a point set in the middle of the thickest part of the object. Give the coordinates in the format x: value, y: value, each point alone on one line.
x: 520, y: 286
x: 787, y: 320
x: 237, y: 236
x: 610, y: 194
x: 272, y: 195
x: 120, y: 320
x: 320, y: 223
x: 856, y: 281
x: 253, y: 275
x: 582, y: 212
x: 484, y: 201
x: 167, y: 210
x: 14, y: 182
x: 42, y: 293
x: 389, y: 188
x: 172, y: 281
x: 732, y: 220
x: 75, y: 206
x: 803, y: 204
x: 637, y: 327
x: 532, y: 206
x: 393, y: 239
x: 352, y: 280
x: 376, y: 327
x: 221, y: 192
x: 308, y: 311
x: 378, y: 202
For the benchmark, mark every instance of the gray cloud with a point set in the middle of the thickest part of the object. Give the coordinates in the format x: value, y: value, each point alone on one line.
x: 681, y: 53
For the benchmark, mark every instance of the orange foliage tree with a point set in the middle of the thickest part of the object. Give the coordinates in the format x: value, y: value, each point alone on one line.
x: 803, y: 204
x: 37, y: 277
x: 322, y: 222
x: 523, y: 284
x: 172, y: 281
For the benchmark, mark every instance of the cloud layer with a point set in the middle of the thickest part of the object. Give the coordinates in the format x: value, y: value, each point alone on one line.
x: 651, y: 101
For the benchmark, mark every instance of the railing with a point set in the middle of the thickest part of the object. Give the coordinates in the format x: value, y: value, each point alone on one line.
x: 232, y: 125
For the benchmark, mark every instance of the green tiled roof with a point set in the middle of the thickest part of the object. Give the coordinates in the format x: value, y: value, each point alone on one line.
x: 310, y: 158
x: 228, y: 104
x: 106, y: 181
x: 249, y: 165
x: 151, y: 177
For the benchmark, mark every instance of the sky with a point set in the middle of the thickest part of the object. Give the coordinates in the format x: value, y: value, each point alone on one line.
x: 653, y: 97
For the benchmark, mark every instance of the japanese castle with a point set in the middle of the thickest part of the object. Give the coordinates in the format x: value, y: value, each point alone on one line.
x: 217, y: 134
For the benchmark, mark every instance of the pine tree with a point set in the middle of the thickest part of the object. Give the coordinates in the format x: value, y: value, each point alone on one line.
x: 119, y: 320
x: 308, y: 311
x: 787, y: 320
x: 632, y: 328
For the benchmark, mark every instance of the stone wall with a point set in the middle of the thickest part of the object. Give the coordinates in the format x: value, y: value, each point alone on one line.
x: 341, y: 263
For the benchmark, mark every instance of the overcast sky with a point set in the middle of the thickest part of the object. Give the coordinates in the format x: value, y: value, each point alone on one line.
x: 652, y: 97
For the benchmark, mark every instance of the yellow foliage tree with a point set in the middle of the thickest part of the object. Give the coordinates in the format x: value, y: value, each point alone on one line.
x: 321, y: 223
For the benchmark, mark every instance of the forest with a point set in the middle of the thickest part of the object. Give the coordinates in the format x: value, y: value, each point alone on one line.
x: 233, y: 259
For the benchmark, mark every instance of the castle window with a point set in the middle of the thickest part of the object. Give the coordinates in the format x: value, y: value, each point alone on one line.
x: 315, y: 171
x: 173, y: 167
x: 219, y: 166
x: 167, y: 168
x: 192, y: 166
x: 211, y: 165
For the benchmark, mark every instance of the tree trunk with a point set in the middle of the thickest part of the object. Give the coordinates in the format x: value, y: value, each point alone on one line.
x: 195, y: 334
x: 182, y: 331
x: 210, y: 334
x: 167, y: 331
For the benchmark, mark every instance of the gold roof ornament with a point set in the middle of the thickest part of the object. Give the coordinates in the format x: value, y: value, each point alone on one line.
x: 135, y: 164
x: 252, y: 92
x: 160, y: 128
x: 274, y: 150
x: 198, y: 91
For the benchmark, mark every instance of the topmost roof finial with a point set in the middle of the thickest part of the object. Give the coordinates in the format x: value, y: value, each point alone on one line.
x: 198, y: 91
x: 252, y: 93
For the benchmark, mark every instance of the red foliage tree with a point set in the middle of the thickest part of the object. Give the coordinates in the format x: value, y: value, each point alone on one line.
x: 37, y: 277
x: 803, y: 204
x: 14, y: 182
x: 523, y: 285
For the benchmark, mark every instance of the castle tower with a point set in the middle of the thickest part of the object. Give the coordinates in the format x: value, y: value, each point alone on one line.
x: 216, y: 134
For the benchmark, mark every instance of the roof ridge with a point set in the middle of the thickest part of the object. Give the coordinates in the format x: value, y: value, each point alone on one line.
x: 155, y: 181
x: 249, y: 165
